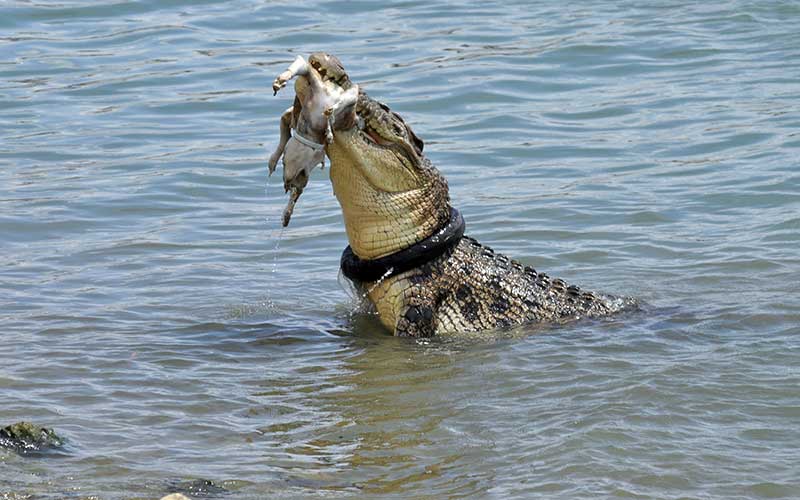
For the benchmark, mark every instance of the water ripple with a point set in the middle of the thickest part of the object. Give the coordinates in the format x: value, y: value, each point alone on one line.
x: 158, y: 317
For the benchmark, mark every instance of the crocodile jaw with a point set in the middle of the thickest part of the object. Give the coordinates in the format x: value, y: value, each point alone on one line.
x: 384, y: 200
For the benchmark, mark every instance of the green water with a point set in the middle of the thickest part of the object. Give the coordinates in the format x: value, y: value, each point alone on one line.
x: 154, y: 313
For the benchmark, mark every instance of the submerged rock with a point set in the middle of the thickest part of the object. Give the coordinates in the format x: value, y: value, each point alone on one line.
x: 199, y: 488
x: 175, y: 496
x: 27, y: 437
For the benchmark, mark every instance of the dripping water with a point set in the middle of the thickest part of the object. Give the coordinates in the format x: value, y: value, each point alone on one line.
x: 359, y: 295
x: 266, y: 193
x: 267, y: 220
x: 375, y: 285
x: 276, y: 250
x: 268, y: 302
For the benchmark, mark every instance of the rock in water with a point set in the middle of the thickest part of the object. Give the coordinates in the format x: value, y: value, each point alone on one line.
x: 27, y: 437
x: 197, y: 488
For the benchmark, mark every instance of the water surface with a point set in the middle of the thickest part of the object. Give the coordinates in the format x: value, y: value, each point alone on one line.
x: 157, y: 316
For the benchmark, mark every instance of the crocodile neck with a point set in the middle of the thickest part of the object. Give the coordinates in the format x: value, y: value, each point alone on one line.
x: 440, y: 242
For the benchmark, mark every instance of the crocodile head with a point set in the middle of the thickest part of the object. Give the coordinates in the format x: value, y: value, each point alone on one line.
x: 390, y: 194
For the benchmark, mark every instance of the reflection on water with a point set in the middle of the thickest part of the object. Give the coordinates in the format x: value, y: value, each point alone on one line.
x: 156, y: 315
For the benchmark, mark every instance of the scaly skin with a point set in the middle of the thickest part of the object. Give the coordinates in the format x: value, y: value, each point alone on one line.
x: 473, y: 288
x: 391, y: 198
x: 387, y: 203
x: 390, y: 202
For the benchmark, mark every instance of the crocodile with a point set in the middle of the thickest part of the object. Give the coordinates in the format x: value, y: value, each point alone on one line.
x: 407, y: 251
